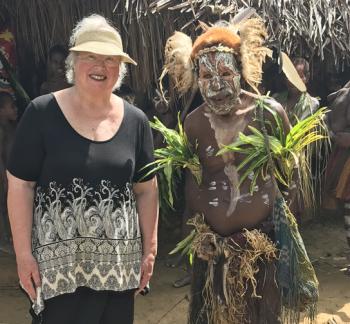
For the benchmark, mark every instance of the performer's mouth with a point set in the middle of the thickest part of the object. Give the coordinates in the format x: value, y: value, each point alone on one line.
x: 219, y: 98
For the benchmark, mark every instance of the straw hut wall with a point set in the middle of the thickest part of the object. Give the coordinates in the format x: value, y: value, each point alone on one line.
x: 313, y: 29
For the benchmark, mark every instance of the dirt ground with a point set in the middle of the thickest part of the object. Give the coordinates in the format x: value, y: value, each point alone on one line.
x: 325, y: 242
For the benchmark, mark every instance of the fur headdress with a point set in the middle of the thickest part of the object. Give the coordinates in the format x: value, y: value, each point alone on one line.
x: 216, y: 39
x: 244, y: 39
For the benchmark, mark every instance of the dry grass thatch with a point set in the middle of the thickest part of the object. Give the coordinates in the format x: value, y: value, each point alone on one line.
x: 308, y: 28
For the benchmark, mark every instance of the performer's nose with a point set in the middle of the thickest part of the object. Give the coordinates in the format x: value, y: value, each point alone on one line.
x: 216, y: 83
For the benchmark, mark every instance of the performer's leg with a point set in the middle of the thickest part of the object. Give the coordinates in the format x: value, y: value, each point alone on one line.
x: 197, y: 310
x: 267, y: 309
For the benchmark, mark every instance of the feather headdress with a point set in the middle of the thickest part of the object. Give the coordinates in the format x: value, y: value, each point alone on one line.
x: 178, y: 63
x: 244, y: 39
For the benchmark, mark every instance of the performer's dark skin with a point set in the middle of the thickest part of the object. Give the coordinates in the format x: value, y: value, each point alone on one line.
x: 225, y: 113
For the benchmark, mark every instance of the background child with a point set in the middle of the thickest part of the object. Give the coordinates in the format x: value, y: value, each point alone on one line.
x: 55, y: 70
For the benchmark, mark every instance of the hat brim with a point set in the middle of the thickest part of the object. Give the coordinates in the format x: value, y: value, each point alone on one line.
x: 103, y: 49
x: 290, y: 72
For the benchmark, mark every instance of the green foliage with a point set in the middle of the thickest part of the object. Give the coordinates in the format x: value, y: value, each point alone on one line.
x: 185, y: 246
x: 172, y: 159
x: 288, y: 152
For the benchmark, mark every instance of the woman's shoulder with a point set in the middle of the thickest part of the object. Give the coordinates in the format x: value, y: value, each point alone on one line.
x: 42, y: 103
x: 134, y: 112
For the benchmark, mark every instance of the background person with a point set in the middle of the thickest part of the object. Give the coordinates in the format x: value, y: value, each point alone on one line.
x: 83, y: 214
x: 55, y: 70
x: 298, y: 105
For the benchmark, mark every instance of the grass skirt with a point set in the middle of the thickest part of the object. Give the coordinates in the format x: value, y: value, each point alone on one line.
x: 233, y: 278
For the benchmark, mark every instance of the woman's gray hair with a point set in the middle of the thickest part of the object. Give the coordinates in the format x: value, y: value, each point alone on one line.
x: 91, y: 23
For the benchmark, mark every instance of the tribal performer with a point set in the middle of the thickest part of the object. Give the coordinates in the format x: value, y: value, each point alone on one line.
x: 238, y: 269
x: 224, y: 248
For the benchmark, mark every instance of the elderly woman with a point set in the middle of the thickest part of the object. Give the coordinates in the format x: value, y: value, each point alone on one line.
x: 82, y: 206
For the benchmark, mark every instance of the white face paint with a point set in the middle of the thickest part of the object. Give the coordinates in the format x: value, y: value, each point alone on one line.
x: 219, y: 81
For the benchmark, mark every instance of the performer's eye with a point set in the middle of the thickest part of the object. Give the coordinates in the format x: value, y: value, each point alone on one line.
x: 206, y: 76
x: 226, y: 74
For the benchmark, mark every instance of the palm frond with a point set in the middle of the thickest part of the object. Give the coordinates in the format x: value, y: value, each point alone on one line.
x: 289, y: 152
x: 173, y: 158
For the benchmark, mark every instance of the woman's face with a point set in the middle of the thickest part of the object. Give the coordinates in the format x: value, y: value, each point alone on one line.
x: 95, y: 72
x: 219, y: 81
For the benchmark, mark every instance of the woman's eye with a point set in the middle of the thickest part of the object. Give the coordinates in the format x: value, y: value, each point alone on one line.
x: 91, y: 58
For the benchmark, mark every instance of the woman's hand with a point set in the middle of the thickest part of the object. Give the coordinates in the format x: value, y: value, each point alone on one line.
x: 147, y: 265
x: 146, y: 194
x: 28, y: 273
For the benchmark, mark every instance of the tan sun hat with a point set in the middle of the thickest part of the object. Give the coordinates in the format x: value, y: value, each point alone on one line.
x: 103, y: 42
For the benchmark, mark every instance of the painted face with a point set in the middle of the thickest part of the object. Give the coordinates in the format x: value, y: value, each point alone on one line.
x: 219, y: 81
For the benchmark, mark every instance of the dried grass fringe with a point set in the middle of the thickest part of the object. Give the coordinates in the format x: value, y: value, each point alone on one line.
x: 253, y: 35
x: 239, y: 270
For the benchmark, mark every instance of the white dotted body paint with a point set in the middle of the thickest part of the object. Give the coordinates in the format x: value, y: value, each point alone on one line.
x: 224, y: 185
x: 214, y: 202
x: 209, y: 151
x: 266, y: 199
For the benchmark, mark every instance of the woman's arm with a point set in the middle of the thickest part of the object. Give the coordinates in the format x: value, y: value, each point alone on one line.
x: 20, y: 208
x: 146, y: 194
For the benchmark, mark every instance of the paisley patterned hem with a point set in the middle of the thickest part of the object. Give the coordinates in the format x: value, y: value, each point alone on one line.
x: 98, y: 264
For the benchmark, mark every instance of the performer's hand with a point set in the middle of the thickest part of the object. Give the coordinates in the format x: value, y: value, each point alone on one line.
x: 147, y: 265
x: 343, y: 139
x: 28, y: 273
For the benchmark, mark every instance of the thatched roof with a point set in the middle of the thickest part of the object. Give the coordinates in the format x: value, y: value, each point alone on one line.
x: 308, y: 28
